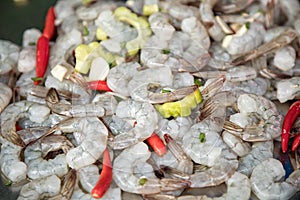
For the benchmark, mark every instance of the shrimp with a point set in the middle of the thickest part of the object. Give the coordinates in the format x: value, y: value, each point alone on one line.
x: 237, y: 145
x: 9, y: 53
x: 21, y: 109
x: 145, y: 117
x: 243, y: 43
x: 29, y: 135
x: 220, y: 58
x: 26, y: 61
x: 119, y: 77
x: 132, y: 174
x: 38, y: 167
x: 236, y: 74
x: 238, y: 188
x: 208, y: 18
x: 93, y: 143
x: 5, y: 96
x: 260, y: 151
x: 41, y: 188
x: 288, y: 89
x: 161, y: 27
x: 234, y: 7
x: 266, y: 181
x: 284, y: 58
x: 280, y: 41
x: 108, y: 101
x: 10, y: 162
x: 87, y: 110
x: 259, y: 118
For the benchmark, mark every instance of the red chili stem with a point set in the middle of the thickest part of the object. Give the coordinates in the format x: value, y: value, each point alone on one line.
x: 49, y: 27
x: 99, y: 85
x: 105, y: 177
x: 296, y: 142
x: 288, y: 122
x: 42, y: 57
x: 157, y: 144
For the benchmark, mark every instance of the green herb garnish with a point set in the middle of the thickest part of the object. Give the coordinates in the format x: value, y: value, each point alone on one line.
x: 85, y: 31
x: 31, y: 43
x: 37, y: 78
x: 165, y: 91
x: 247, y: 24
x: 142, y: 181
x: 166, y: 51
x: 8, y: 183
x: 198, y: 82
x: 202, y: 137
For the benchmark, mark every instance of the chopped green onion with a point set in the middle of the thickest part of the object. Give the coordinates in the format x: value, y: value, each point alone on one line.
x: 202, y: 137
x: 165, y: 91
x: 142, y: 181
x: 85, y: 31
x: 166, y: 51
x: 31, y: 43
x: 8, y: 183
x: 37, y: 78
x: 247, y: 24
x: 198, y: 82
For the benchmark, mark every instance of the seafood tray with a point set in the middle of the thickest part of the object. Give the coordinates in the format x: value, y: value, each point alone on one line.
x: 152, y: 99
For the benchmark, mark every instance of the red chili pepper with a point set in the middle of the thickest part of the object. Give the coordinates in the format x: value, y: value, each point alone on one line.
x: 105, y: 177
x: 42, y: 57
x: 288, y: 122
x: 18, y: 128
x: 99, y: 85
x: 49, y: 27
x: 296, y: 142
x: 157, y: 144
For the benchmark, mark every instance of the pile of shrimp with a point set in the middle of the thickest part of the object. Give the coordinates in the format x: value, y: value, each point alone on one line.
x: 212, y: 79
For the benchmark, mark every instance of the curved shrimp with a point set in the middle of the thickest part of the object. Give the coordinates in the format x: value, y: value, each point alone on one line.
x: 38, y: 167
x: 10, y: 162
x: 5, y: 96
x: 259, y: 118
x: 145, y: 117
x: 41, y: 188
x: 288, y: 89
x: 266, y: 181
x: 35, y: 112
x: 238, y: 188
x: 132, y: 174
x: 92, y: 145
x: 9, y: 53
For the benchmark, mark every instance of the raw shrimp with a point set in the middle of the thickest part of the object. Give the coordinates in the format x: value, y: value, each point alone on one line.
x: 238, y: 188
x: 29, y: 135
x: 5, y: 96
x: 236, y: 74
x: 10, y: 162
x: 9, y: 53
x: 233, y: 7
x: 259, y: 118
x: 280, y: 41
x: 240, y: 44
x: 145, y: 117
x: 119, y: 77
x: 87, y: 110
x: 208, y: 18
x: 22, y: 109
x: 288, y: 89
x: 54, y: 143
x: 220, y: 58
x: 91, y: 146
x: 266, y: 181
x: 108, y: 101
x: 160, y: 26
x: 132, y: 174
x: 260, y: 151
x: 41, y: 188
x: 38, y: 167
x: 237, y: 145
x: 26, y: 61
x: 284, y: 58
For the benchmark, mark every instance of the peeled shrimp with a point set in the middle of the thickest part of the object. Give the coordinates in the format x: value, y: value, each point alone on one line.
x: 266, y: 181
x: 288, y: 89
x: 41, y: 188
x: 145, y: 117
x: 5, y: 96
x: 9, y: 53
x: 91, y: 146
x: 132, y: 174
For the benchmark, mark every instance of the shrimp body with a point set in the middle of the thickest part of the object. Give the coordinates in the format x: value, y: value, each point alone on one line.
x: 91, y: 146
x: 266, y: 181
x: 145, y: 117
x: 288, y: 89
x: 41, y: 188
x: 5, y: 96
x: 9, y: 53
x: 130, y: 168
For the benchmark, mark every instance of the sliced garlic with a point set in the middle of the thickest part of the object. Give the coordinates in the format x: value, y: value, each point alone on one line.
x: 99, y: 69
